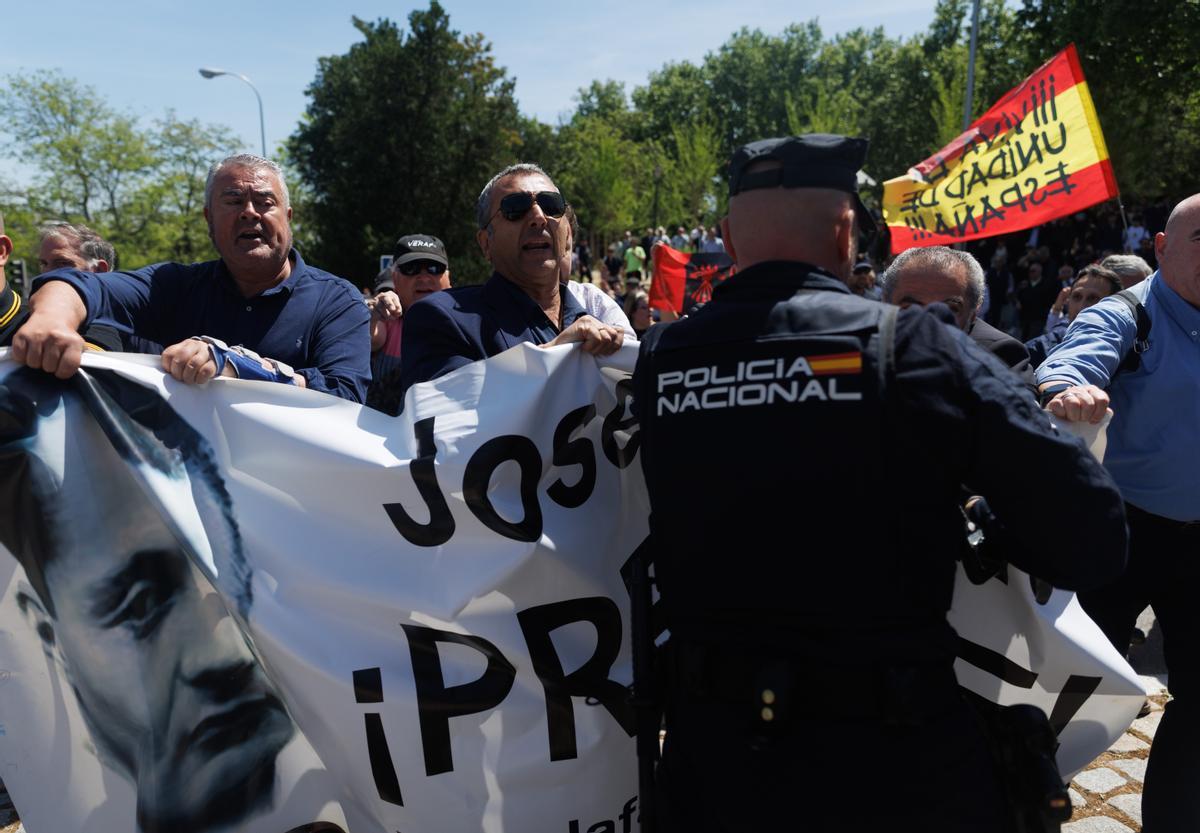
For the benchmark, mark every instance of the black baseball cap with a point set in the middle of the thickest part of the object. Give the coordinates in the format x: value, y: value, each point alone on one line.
x: 863, y: 266
x: 814, y: 160
x: 412, y: 247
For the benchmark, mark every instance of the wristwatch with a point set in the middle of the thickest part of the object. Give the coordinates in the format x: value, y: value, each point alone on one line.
x: 1053, y: 390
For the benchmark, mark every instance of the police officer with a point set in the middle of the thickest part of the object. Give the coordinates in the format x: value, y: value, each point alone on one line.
x: 804, y: 450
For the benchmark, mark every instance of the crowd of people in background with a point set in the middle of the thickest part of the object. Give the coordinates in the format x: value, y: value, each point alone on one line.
x: 1034, y: 282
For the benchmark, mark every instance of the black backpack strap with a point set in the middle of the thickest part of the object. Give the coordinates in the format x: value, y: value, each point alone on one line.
x: 1141, y: 342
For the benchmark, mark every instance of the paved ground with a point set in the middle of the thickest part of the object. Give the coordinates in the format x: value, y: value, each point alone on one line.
x: 1107, y: 796
x: 8, y: 816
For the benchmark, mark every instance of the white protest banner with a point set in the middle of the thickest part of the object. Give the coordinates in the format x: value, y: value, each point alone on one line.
x: 250, y: 607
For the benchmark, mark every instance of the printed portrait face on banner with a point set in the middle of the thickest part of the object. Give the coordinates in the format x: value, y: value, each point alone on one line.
x: 171, y: 693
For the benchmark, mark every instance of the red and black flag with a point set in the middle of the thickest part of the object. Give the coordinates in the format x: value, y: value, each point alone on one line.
x: 683, y: 281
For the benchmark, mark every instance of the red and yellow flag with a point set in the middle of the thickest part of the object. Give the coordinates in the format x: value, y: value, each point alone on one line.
x: 1037, y: 154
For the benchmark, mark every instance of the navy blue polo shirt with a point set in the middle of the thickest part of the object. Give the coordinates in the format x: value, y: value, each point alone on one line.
x: 447, y: 330
x: 314, y: 321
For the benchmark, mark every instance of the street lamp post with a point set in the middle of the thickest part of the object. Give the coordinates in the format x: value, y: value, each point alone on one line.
x: 658, y: 173
x: 208, y: 72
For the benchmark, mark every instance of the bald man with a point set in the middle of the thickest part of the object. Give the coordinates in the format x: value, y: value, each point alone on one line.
x: 1154, y: 456
x: 809, y: 612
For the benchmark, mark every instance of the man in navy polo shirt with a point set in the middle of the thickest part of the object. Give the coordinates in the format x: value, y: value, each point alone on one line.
x: 522, y: 232
x: 260, y: 297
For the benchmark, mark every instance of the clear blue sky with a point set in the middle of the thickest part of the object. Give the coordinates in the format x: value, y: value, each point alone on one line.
x: 143, y: 56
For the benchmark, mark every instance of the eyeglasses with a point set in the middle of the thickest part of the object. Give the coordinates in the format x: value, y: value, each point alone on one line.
x: 516, y: 206
x: 416, y: 267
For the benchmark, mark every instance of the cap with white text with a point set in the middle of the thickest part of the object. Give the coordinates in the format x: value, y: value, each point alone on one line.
x: 412, y: 247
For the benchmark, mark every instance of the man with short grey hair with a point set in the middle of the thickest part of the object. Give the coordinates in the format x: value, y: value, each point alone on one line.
x: 937, y: 274
x: 920, y: 276
x: 64, y: 245
x: 224, y: 317
x: 14, y: 311
x: 524, y: 231
x: 1131, y: 269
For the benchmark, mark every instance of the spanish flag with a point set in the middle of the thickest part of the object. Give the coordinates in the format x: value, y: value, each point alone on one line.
x: 835, y: 363
x: 1036, y: 155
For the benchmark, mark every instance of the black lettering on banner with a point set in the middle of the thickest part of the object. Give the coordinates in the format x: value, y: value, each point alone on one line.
x: 994, y: 663
x: 916, y: 200
x: 368, y: 688
x: 1013, y: 197
x: 1035, y: 198
x: 579, y: 452
x: 478, y: 477
x: 990, y: 212
x: 437, y: 703
x: 616, y: 421
x: 1026, y: 159
x: 1059, y: 182
x: 967, y: 217
x: 1055, y: 151
x: 978, y: 177
x: 937, y: 173
x: 626, y: 817
x: 918, y: 226
x: 992, y: 172
x: 589, y: 680
x: 959, y: 192
x: 424, y: 474
x: 1075, y: 692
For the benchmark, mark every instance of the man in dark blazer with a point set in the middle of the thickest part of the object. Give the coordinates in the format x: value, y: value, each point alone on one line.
x: 522, y: 232
x: 936, y: 274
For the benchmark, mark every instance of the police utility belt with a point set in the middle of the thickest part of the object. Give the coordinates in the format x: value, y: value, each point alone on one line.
x: 785, y: 692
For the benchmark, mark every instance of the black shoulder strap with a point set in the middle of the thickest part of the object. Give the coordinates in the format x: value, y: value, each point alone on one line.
x: 887, y: 345
x: 1141, y: 342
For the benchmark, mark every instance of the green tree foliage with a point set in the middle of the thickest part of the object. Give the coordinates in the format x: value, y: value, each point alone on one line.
x: 950, y: 97
x: 381, y: 120
x: 185, y: 150
x: 140, y: 187
x: 693, y: 171
x: 596, y: 175
x: 400, y: 135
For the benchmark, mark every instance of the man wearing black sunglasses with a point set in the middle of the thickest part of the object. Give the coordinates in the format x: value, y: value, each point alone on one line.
x: 419, y: 268
x: 523, y: 233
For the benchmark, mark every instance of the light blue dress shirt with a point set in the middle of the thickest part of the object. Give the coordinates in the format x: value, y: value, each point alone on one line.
x: 1154, y: 439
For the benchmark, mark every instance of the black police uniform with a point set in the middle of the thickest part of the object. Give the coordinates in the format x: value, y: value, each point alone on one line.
x: 804, y: 469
